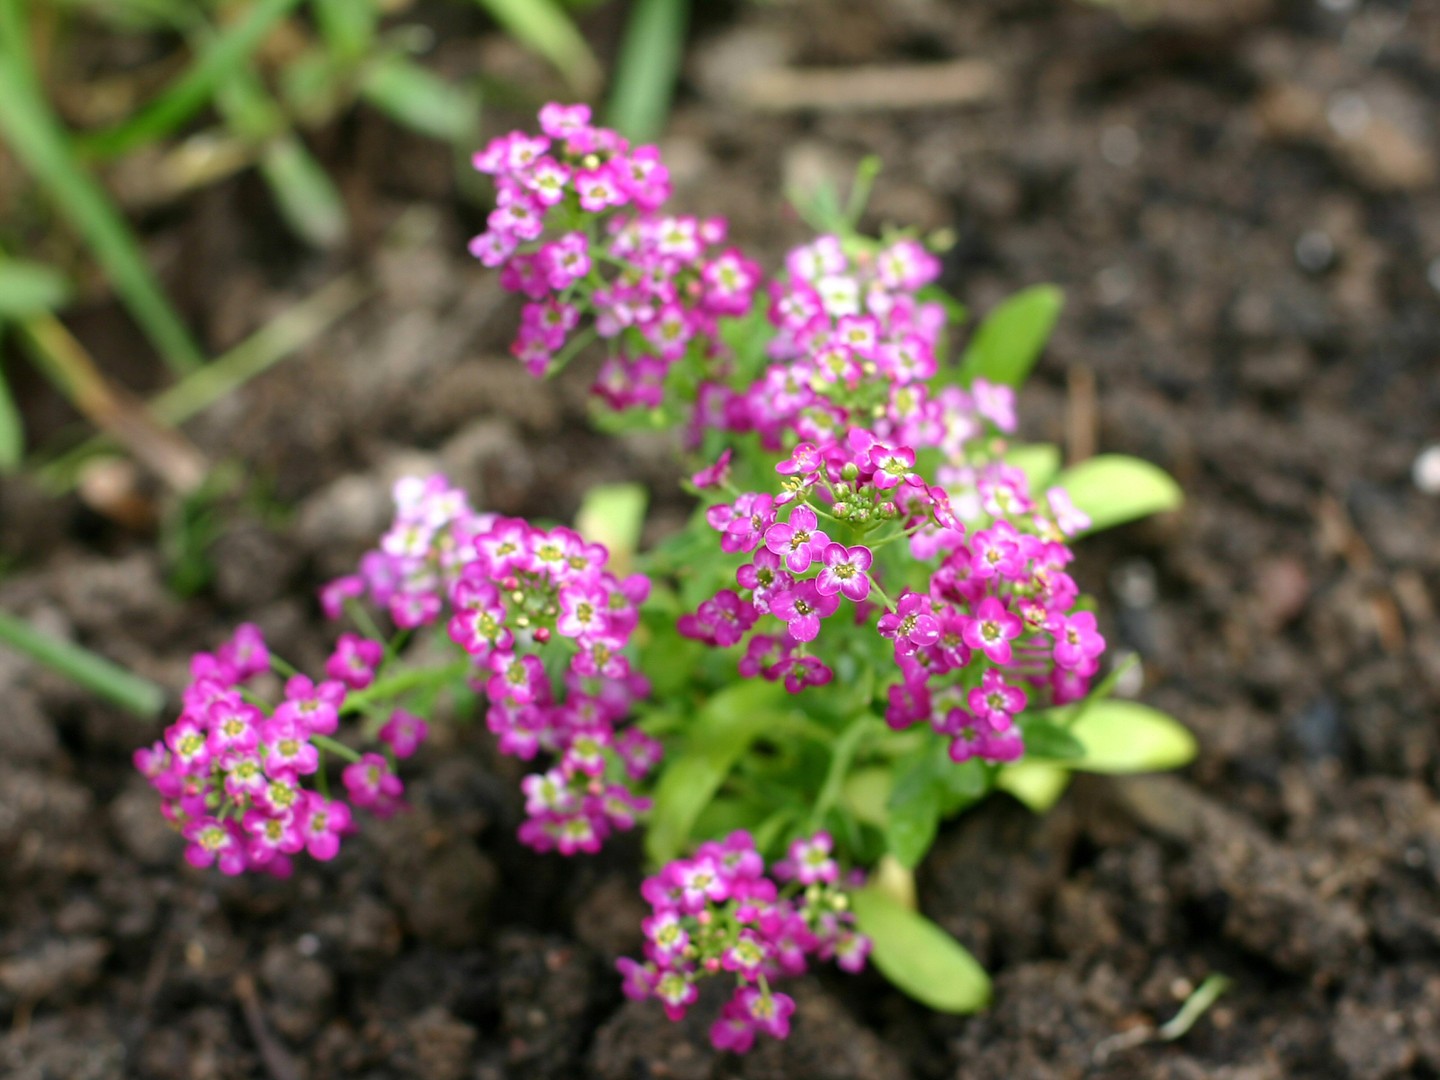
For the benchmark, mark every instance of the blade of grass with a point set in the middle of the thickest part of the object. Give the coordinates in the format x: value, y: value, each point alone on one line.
x: 291, y: 330
x: 304, y: 193
x: 543, y: 26
x: 40, y: 143
x: 420, y: 100
x: 222, y: 56
x: 64, y: 361
x: 101, y: 677
x: 29, y: 288
x: 647, y: 68
x: 12, y: 427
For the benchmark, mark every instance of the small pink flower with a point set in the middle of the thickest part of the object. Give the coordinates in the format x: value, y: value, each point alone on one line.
x: 798, y: 541
x: 716, y: 475
x: 354, y: 661
x: 1077, y: 643
x: 801, y: 607
x: 992, y: 629
x: 403, y: 733
x: 995, y: 700
x: 912, y: 625
x: 846, y: 572
x: 322, y: 822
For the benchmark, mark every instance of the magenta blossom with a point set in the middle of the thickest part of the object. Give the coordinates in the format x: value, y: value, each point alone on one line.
x: 798, y: 541
x: 801, y: 607
x: 912, y: 625
x: 992, y: 629
x: 846, y: 572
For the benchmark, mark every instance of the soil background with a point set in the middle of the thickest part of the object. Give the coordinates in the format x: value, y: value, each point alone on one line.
x: 1239, y: 198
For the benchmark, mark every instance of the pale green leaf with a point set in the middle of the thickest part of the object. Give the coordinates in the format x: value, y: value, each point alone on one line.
x: 1037, y: 785
x: 1010, y: 339
x: 1038, y: 461
x: 420, y: 100
x: 30, y: 288
x: 919, y: 957
x: 1127, y: 737
x: 1113, y: 489
x: 719, y: 735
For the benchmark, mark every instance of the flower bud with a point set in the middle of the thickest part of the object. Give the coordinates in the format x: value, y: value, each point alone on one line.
x: 850, y: 473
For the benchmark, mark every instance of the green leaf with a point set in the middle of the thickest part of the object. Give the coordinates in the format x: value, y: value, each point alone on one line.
x: 1037, y: 785
x: 1127, y: 737
x: 614, y: 515
x: 719, y: 736
x: 1113, y: 489
x: 960, y: 784
x: 1038, y: 461
x: 348, y: 26
x: 38, y: 140
x: 912, y: 821
x: 30, y: 288
x: 647, y: 68
x: 420, y: 100
x: 12, y: 429
x: 866, y: 794
x: 305, y: 194
x: 1008, y: 342
x: 1047, y: 740
x: 96, y: 674
x: 919, y: 957
x: 225, y: 54
x: 543, y: 26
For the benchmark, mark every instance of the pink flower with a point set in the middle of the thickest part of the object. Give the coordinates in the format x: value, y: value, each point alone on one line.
x: 892, y: 466
x: 846, y: 572
x: 801, y: 607
x: 798, y: 541
x: 354, y: 661
x: 322, y: 822
x: 716, y: 475
x: 911, y: 625
x: 992, y: 629
x: 1078, y: 644
x: 371, y: 784
x: 403, y: 733
x: 995, y: 700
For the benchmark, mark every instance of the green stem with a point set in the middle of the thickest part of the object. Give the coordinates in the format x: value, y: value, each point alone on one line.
x: 406, y: 681
x: 339, y: 749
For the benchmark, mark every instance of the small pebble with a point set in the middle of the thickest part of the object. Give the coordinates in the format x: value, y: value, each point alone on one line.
x: 1348, y: 114
x: 1314, y: 251
x: 1114, y: 284
x: 1132, y: 678
x: 1133, y: 582
x: 1426, y: 470
x: 308, y: 945
x: 1120, y: 146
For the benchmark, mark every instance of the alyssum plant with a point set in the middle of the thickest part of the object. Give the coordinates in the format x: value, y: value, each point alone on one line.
x: 867, y: 626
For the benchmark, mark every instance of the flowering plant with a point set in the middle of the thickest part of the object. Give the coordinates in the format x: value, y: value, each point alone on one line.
x: 868, y: 625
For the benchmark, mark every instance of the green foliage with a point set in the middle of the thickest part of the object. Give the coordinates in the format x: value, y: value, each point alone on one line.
x: 1009, y: 340
x: 719, y: 736
x: 96, y: 674
x: 40, y: 143
x: 30, y: 288
x: 1128, y: 737
x: 918, y: 957
x: 543, y: 26
x: 647, y: 68
x: 1114, y: 489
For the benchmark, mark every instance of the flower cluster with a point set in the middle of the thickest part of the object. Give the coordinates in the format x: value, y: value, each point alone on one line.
x: 718, y: 911
x: 577, y: 230
x: 531, y: 608
x: 984, y: 614
x: 232, y: 770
